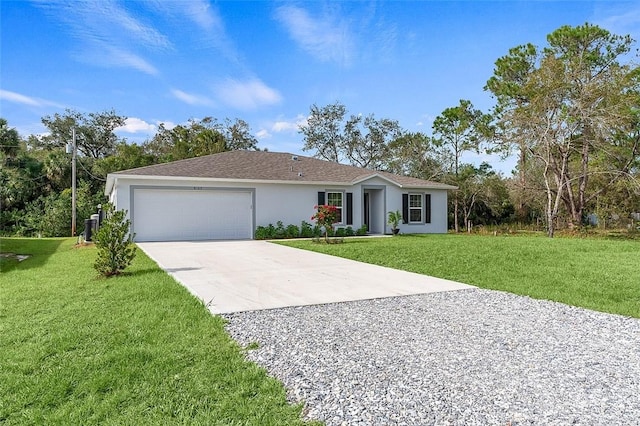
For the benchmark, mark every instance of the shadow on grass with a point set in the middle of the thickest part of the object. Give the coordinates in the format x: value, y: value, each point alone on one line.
x: 38, y: 250
x: 140, y: 272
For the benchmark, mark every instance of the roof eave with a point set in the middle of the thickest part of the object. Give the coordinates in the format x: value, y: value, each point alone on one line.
x: 232, y: 180
x: 113, y: 178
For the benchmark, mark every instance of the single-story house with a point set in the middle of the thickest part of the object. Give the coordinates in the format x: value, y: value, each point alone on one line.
x: 227, y: 195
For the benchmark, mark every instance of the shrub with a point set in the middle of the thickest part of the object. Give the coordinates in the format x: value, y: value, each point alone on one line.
x: 306, y: 230
x: 261, y: 233
x: 362, y: 231
x: 280, y: 231
x: 292, y: 231
x: 271, y: 231
x: 265, y: 232
x: 114, y: 243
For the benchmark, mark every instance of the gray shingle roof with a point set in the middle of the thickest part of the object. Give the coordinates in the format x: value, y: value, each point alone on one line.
x: 271, y: 166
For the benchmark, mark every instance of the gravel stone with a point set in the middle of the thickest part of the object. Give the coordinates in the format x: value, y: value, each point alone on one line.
x: 467, y: 357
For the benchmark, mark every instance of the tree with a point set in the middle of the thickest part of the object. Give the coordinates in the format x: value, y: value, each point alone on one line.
x: 200, y: 137
x: 325, y: 217
x: 415, y: 154
x: 9, y: 139
x: 237, y: 135
x: 95, y: 135
x: 508, y: 86
x: 459, y: 129
x: 126, y: 156
x: 567, y: 108
x: 359, y: 140
x: 323, y: 131
x: 483, y: 195
x: 114, y: 242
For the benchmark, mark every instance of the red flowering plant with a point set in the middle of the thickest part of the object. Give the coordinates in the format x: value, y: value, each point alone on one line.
x: 325, y: 217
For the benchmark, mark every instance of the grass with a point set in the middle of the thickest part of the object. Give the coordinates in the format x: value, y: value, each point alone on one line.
x: 134, y: 349
x: 597, y: 274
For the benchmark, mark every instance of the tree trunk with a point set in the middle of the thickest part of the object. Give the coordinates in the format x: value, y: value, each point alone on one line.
x: 521, y: 210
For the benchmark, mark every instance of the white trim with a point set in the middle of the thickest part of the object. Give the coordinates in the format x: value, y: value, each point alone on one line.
x: 341, y: 220
x: 421, y: 208
x: 376, y: 175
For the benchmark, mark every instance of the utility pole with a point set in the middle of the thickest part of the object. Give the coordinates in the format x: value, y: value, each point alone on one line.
x: 73, y: 182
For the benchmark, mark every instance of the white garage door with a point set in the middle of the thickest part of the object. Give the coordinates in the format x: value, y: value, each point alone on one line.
x: 187, y: 215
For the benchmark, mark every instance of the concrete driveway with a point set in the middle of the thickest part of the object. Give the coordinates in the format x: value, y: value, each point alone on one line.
x: 236, y: 276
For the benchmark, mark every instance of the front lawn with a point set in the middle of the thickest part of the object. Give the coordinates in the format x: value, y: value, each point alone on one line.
x: 598, y: 274
x: 135, y: 349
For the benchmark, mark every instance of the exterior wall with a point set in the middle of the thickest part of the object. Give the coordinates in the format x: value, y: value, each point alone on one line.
x: 290, y: 204
x: 438, y: 223
x: 294, y: 203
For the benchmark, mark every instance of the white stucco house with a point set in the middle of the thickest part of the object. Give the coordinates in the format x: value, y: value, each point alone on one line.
x: 227, y: 195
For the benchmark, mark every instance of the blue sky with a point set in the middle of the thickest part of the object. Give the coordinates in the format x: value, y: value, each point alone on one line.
x: 268, y: 62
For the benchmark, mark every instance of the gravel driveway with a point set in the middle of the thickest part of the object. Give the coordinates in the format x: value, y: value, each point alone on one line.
x: 467, y: 357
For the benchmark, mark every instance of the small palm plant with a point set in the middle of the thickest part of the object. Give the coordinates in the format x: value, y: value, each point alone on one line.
x: 394, y: 219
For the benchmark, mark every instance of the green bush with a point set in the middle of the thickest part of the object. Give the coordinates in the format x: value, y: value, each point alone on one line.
x: 292, y: 231
x: 261, y: 233
x: 362, y: 231
x: 114, y: 243
x: 306, y: 230
x: 280, y: 231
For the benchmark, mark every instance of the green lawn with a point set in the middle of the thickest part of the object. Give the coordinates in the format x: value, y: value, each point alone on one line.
x: 598, y: 274
x: 135, y: 349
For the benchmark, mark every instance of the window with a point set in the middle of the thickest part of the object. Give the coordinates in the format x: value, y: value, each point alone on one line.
x: 335, y: 199
x: 415, y: 208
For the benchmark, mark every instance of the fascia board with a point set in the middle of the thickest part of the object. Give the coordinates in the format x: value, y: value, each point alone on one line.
x: 230, y: 180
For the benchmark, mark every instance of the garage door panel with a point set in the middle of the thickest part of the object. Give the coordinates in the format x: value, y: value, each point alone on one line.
x: 185, y: 215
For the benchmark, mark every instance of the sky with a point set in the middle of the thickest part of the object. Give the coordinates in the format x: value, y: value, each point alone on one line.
x: 268, y: 62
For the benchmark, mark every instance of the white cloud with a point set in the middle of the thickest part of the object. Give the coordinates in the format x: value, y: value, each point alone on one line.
x: 289, y: 126
x: 127, y: 59
x: 19, y: 98
x: 191, y: 99
x: 136, y: 125
x: 108, y: 34
x: 263, y: 134
x: 282, y: 126
x: 167, y: 124
x: 204, y: 22
x: 325, y: 39
x: 201, y: 13
x: 246, y: 95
